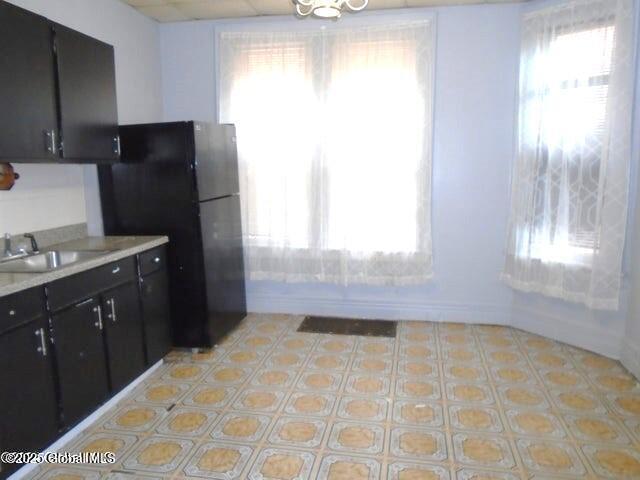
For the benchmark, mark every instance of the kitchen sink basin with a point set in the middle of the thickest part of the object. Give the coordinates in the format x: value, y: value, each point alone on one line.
x: 48, y: 261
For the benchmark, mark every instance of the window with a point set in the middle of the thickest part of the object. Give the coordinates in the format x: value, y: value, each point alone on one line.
x: 273, y: 103
x: 334, y: 140
x: 571, y: 124
x: 570, y: 179
x: 373, y: 158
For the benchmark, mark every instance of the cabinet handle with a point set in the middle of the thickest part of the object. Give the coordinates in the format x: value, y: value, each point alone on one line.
x: 116, y: 145
x: 98, y: 310
x: 43, y: 342
x: 156, y: 260
x: 112, y: 304
x: 50, y: 141
x: 82, y: 304
x: 115, y: 270
x: 12, y: 313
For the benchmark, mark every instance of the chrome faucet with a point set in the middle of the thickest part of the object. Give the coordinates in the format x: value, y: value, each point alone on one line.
x: 7, y: 251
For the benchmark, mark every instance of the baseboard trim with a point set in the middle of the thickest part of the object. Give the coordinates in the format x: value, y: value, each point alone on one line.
x: 571, y: 332
x: 78, y: 429
x: 386, y: 310
x: 630, y: 357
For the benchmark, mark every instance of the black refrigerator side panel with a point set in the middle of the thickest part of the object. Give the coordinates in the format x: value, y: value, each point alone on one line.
x: 224, y: 264
x: 152, y: 192
x: 216, y: 161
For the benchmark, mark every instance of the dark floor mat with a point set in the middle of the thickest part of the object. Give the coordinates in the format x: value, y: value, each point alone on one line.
x: 349, y: 326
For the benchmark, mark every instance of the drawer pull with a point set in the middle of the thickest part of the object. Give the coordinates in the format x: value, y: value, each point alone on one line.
x: 12, y: 313
x: 115, y: 270
x: 156, y: 260
x: 85, y: 302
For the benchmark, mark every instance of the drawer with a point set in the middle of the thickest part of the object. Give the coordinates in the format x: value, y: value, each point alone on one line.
x: 70, y: 290
x: 152, y: 260
x: 21, y: 307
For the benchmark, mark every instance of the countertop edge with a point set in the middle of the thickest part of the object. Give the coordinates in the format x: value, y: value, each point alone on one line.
x: 38, y: 279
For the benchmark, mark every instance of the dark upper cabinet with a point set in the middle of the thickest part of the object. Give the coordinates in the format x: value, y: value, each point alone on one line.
x: 29, y: 414
x: 57, y: 93
x: 81, y: 359
x: 123, y: 334
x: 28, y: 123
x: 87, y: 94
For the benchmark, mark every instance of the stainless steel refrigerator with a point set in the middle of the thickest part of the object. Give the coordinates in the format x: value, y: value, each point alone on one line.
x: 181, y: 179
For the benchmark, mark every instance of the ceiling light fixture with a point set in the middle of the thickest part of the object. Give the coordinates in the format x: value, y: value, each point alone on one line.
x: 327, y: 8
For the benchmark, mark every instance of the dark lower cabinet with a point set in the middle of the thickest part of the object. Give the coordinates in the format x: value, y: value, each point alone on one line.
x: 67, y: 347
x: 81, y: 359
x: 29, y: 413
x: 157, y: 321
x: 123, y: 334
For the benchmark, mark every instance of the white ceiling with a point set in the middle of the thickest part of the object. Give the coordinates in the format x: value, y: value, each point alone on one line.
x: 180, y: 10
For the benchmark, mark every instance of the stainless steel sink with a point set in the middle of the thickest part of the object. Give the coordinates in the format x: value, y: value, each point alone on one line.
x: 48, y: 261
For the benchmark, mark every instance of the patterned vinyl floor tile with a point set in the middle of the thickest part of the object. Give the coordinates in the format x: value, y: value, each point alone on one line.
x: 441, y: 401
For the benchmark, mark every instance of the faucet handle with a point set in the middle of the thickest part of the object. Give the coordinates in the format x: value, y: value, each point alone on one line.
x: 34, y: 243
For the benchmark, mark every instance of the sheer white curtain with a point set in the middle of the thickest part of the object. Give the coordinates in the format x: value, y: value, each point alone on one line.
x: 334, y: 139
x: 570, y: 181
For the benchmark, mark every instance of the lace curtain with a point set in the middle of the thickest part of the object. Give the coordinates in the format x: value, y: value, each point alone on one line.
x: 334, y: 140
x: 570, y: 181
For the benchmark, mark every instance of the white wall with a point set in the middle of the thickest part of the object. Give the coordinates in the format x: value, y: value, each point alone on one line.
x: 476, y: 84
x: 48, y: 196
x: 631, y: 340
x: 476, y: 71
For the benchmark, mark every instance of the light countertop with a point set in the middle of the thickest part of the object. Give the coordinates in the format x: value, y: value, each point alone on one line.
x: 118, y: 248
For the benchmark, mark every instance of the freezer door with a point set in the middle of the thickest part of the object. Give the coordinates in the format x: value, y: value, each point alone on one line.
x: 224, y: 264
x: 216, y: 160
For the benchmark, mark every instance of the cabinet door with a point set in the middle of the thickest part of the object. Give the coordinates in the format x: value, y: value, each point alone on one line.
x: 123, y: 333
x: 87, y: 93
x: 157, y: 320
x: 82, y: 369
x: 29, y: 413
x: 28, y: 125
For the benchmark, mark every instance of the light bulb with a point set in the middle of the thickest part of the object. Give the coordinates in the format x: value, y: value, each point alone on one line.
x: 326, y: 12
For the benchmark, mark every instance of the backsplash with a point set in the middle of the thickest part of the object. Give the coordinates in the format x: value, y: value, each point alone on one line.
x: 53, y: 236
x: 45, y: 197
